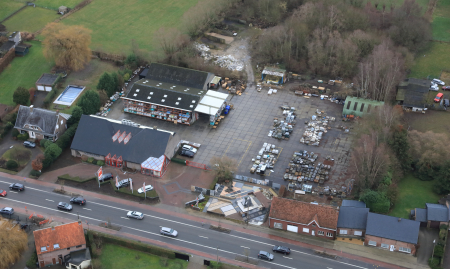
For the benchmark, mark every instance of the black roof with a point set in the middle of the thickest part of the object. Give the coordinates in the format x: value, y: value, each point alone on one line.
x: 95, y: 135
x: 352, y: 217
x: 45, y: 119
x: 177, y: 75
x: 79, y: 256
x: 21, y: 48
x: 144, y: 73
x: 7, y: 46
x: 353, y: 203
x: 391, y: 228
x: 437, y: 212
x: 416, y: 92
x: 47, y: 79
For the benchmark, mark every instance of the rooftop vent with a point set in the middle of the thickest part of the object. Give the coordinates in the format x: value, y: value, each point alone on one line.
x: 148, y: 97
x: 177, y: 103
x: 163, y: 100
x: 151, y: 93
x: 191, y: 106
x: 179, y: 98
x: 137, y: 90
x: 193, y: 101
x: 135, y: 94
x: 165, y: 95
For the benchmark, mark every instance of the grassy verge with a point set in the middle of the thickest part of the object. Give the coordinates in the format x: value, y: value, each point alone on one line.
x: 413, y: 193
x: 55, y: 4
x: 8, y: 171
x: 126, y: 190
x: 432, y: 62
x: 76, y: 179
x: 8, y: 7
x: 23, y: 71
x: 30, y: 19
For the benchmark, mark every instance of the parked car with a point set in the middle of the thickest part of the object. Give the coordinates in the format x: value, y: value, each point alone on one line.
x: 123, y: 183
x: 2, y: 193
x: 64, y: 206
x: 135, y: 215
x: 446, y: 88
x: 265, y: 255
x: 78, y: 200
x: 29, y: 144
x: 106, y: 177
x: 446, y: 103
x: 438, y: 81
x: 187, y: 147
x: 168, y: 232
x: 187, y: 153
x: 147, y: 188
x: 7, y: 211
x: 281, y: 249
x: 17, y: 186
x: 434, y: 87
x: 438, y: 97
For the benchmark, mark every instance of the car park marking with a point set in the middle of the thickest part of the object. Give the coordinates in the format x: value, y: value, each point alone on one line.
x: 49, y: 200
x: 203, y: 237
x: 87, y: 209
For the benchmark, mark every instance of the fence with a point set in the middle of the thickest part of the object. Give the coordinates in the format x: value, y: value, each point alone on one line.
x: 197, y: 165
x: 7, y: 59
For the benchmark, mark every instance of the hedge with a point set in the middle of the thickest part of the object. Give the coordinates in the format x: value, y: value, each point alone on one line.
x: 35, y: 173
x: 213, y: 183
x: 180, y: 161
x: 106, y: 238
x: 125, y: 190
x: 75, y: 179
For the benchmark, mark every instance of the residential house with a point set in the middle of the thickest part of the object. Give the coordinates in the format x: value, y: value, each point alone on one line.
x: 391, y: 233
x: 57, y: 244
x: 303, y: 218
x: 353, y: 203
x: 433, y: 215
x: 46, y: 82
x: 124, y: 144
x: 41, y: 123
x: 352, y: 221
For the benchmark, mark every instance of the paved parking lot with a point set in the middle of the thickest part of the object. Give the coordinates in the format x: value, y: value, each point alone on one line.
x: 245, y: 129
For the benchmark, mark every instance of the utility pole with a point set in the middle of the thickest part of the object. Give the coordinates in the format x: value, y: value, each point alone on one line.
x: 217, y: 254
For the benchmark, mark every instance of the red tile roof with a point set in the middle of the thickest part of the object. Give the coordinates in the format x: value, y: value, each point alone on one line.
x: 66, y: 235
x: 303, y: 213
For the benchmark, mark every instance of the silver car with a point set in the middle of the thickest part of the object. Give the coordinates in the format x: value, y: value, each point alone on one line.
x: 135, y: 215
x: 168, y: 232
x: 7, y: 211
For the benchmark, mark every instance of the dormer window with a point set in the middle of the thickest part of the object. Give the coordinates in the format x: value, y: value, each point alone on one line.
x: 43, y: 249
x: 55, y: 246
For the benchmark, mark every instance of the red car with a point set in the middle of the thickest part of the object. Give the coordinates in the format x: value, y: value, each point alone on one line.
x: 2, y: 193
x: 439, y: 97
x: 446, y: 88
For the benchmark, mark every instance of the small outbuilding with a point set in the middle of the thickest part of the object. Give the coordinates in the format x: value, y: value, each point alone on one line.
x: 63, y: 10
x: 22, y: 50
x: 274, y: 75
x: 46, y: 82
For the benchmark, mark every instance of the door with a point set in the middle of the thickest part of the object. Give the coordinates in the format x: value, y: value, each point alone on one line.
x: 392, y: 248
x: 32, y: 134
x: 60, y: 259
x: 313, y: 233
x: 48, y: 88
x: 54, y: 261
x: 42, y: 264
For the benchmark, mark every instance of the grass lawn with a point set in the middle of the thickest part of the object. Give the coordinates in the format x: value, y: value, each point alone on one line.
x: 117, y: 257
x: 436, y: 59
x: 114, y: 23
x: 30, y: 19
x: 19, y: 154
x: 55, y: 4
x: 441, y: 29
x: 430, y: 121
x: 413, y: 193
x: 8, y: 7
x: 23, y: 71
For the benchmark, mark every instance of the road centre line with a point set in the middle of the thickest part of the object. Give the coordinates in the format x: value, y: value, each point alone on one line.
x: 49, y: 200
x: 287, y: 257
x: 203, y: 236
x: 245, y: 247
x: 87, y: 209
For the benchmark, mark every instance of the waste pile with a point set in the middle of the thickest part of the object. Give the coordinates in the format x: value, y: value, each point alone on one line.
x: 266, y: 159
x: 302, y: 168
x: 316, y: 128
x: 226, y: 61
x: 282, y: 129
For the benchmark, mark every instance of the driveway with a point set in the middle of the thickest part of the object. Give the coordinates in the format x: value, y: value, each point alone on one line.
x: 426, y: 237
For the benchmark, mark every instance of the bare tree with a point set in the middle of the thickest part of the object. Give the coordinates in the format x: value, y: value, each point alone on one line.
x: 14, y: 242
x: 170, y: 40
x: 224, y: 167
x: 427, y: 148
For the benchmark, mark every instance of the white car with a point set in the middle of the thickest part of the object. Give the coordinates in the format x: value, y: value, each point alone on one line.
x: 147, y: 188
x: 434, y: 87
x: 135, y: 215
x: 187, y: 147
x: 168, y: 232
x: 438, y: 81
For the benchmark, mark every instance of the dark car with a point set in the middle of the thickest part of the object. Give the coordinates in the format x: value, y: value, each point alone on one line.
x: 281, y: 249
x: 265, y: 255
x: 106, y: 177
x: 123, y: 183
x: 17, y: 186
x: 78, y: 200
x: 7, y: 211
x: 29, y: 144
x: 187, y: 153
x: 64, y: 206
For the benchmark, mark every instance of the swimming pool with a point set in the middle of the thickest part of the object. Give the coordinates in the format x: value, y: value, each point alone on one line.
x: 69, y: 95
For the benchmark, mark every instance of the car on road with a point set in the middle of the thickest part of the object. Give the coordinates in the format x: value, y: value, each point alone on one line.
x: 168, y: 232
x: 147, y: 188
x: 2, y: 193
x: 135, y: 215
x: 189, y: 148
x: 64, y: 206
x: 434, y: 87
x: 7, y: 211
x: 264, y: 255
x: 78, y: 200
x: 106, y: 177
x: 187, y: 153
x: 438, y: 81
x: 446, y: 88
x: 17, y: 187
x: 123, y: 183
x: 281, y: 249
x: 438, y: 97
x: 29, y: 144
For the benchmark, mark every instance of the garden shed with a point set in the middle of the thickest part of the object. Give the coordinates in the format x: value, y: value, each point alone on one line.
x: 46, y: 82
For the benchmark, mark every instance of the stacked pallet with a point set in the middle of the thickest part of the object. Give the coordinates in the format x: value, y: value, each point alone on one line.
x: 302, y: 168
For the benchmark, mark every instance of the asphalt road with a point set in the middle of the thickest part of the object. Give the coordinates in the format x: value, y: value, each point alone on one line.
x: 191, y: 234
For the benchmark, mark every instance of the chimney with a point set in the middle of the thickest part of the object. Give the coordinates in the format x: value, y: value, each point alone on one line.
x: 79, y: 222
x: 53, y: 228
x: 155, y: 127
x: 399, y: 219
x: 31, y: 108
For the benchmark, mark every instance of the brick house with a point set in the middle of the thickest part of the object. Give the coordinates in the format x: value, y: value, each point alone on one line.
x: 54, y: 245
x: 303, y: 218
x: 41, y: 123
x: 391, y: 233
x: 433, y: 215
x: 352, y: 220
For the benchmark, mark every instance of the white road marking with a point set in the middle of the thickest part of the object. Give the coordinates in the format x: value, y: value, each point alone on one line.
x: 245, y: 247
x: 203, y: 236
x: 87, y: 209
x: 13, y: 191
x: 49, y: 200
x: 287, y: 257
x: 125, y: 218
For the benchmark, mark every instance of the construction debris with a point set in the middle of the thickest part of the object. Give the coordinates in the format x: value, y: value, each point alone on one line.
x: 226, y: 61
x: 266, y: 159
x: 317, y: 127
x: 283, y: 129
x: 302, y: 168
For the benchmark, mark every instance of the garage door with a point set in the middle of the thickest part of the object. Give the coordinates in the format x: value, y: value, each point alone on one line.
x: 40, y: 88
x: 292, y: 228
x: 47, y: 88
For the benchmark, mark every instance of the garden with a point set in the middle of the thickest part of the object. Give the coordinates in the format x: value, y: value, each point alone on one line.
x: 15, y: 158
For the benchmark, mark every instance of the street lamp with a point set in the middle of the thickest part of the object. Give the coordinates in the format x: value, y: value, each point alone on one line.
x: 217, y: 254
x: 434, y: 244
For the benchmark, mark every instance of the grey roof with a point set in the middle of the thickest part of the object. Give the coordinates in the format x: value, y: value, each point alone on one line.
x: 437, y: 212
x: 95, y: 135
x: 66, y: 116
x: 79, y: 256
x: 389, y: 227
x: 416, y: 91
x: 164, y: 94
x: 7, y: 46
x: 144, y: 73
x: 421, y: 214
x: 352, y: 217
x: 177, y: 75
x: 21, y: 48
x: 353, y: 203
x: 45, y: 119
x: 47, y: 79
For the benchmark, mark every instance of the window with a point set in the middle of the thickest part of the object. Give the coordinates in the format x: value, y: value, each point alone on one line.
x: 56, y: 246
x: 343, y: 232
x: 386, y: 246
x: 43, y: 249
x: 78, y: 246
x: 329, y: 234
x: 320, y: 233
x: 372, y: 243
x: 407, y: 250
x: 277, y: 225
x: 61, y: 122
x: 305, y: 230
x: 314, y: 225
x: 68, y: 248
x: 358, y: 233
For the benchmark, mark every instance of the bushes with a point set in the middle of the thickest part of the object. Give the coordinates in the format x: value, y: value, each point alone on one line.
x: 12, y: 165
x: 49, y: 98
x: 23, y: 137
x: 100, y: 163
x: 15, y: 133
x: 94, y: 161
x: 376, y: 201
x: 213, y: 183
x: 63, y: 141
x: 90, y: 159
x: 31, y: 263
x: 45, y: 142
x: 35, y: 173
x: 434, y: 263
x: 51, y: 153
x: 8, y: 126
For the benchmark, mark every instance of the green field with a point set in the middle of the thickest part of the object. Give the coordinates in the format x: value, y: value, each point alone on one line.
x: 436, y: 59
x: 114, y: 23
x: 55, y: 4
x: 441, y: 21
x: 8, y: 7
x: 413, y: 193
x: 396, y: 3
x: 116, y: 257
x: 31, y: 19
x: 23, y: 71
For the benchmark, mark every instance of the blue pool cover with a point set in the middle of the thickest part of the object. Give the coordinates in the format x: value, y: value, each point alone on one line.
x: 69, y: 95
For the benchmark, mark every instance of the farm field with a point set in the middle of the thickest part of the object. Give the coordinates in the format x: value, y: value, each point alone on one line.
x: 432, y: 62
x: 55, y: 4
x: 30, y: 19
x: 441, y: 21
x: 8, y: 7
x: 23, y: 71
x: 115, y: 23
